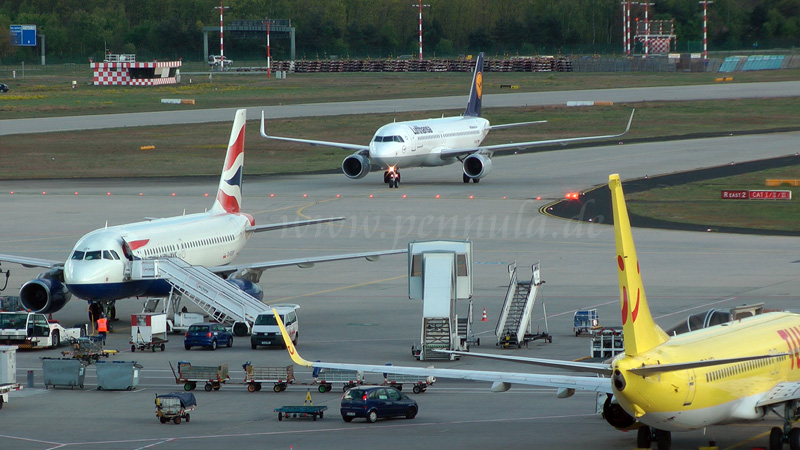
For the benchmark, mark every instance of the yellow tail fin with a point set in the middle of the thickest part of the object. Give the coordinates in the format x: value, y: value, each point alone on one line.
x: 288, y: 341
x: 640, y: 331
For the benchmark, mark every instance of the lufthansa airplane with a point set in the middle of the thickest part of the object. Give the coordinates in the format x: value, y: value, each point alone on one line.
x: 734, y: 372
x: 98, y: 268
x: 434, y: 142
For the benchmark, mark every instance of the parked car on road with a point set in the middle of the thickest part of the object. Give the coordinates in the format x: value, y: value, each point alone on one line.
x: 209, y: 335
x: 373, y: 403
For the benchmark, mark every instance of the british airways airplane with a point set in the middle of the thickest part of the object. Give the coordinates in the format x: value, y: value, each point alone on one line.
x: 99, y: 266
x: 434, y: 142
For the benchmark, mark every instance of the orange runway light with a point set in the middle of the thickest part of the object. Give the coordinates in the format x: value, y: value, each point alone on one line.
x: 305, y: 195
x: 272, y: 195
x: 173, y: 194
x: 437, y: 195
x: 76, y: 192
x: 370, y: 195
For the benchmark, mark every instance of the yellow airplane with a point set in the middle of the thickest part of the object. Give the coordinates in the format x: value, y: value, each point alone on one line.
x: 733, y: 372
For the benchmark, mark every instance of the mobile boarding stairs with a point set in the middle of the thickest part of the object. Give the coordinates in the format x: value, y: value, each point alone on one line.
x: 514, y: 323
x: 222, y: 301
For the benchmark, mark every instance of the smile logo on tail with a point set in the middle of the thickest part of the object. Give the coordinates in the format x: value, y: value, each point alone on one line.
x: 479, y: 84
x: 625, y: 299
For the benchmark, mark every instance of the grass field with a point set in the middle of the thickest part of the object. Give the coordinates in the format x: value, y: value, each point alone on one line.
x: 700, y: 202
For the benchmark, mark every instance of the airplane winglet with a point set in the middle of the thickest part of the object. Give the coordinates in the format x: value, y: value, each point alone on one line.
x: 630, y: 121
x: 288, y: 341
x: 264, y: 132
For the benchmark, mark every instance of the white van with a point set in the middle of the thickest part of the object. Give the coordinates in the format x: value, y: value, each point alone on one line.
x: 266, y: 331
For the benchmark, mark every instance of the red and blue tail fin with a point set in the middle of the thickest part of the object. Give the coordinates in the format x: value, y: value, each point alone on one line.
x: 638, y: 327
x: 229, y: 195
x: 476, y: 92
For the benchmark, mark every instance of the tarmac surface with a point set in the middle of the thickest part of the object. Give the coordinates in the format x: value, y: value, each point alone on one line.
x: 358, y: 311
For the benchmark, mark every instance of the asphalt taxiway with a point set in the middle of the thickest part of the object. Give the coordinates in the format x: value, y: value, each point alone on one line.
x: 357, y: 311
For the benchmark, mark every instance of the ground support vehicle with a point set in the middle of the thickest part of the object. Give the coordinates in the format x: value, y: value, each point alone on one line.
x: 175, y: 406
x: 213, y: 376
x: 420, y: 384
x: 34, y: 330
x: 88, y: 349
x: 280, y: 377
x: 584, y: 321
x: 325, y: 377
x: 148, y: 331
x: 5, y: 389
x: 300, y: 411
x: 8, y: 372
x: 374, y: 402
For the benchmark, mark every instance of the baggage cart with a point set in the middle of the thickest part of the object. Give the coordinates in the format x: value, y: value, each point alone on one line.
x: 88, y: 349
x: 420, y: 384
x: 584, y: 321
x: 325, y: 377
x: 280, y: 377
x: 8, y: 372
x: 63, y: 372
x: 175, y: 406
x: 117, y: 375
x: 213, y: 376
x: 300, y: 411
x: 148, y: 331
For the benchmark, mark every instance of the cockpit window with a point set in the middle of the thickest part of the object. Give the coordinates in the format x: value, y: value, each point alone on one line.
x: 114, y: 254
x: 77, y: 254
x: 92, y: 255
x: 107, y: 254
x: 388, y: 139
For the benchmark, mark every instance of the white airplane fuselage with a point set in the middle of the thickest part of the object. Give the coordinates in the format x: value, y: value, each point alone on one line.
x: 419, y: 143
x: 99, y: 266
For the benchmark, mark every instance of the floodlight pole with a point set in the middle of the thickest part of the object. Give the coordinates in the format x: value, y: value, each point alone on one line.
x: 221, y: 34
x: 269, y: 57
x: 705, y: 28
x: 420, y: 26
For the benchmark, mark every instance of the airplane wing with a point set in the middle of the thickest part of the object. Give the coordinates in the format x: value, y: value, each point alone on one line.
x: 31, y: 262
x: 576, y: 366
x: 518, y: 124
x: 363, y: 148
x: 301, y: 223
x: 490, y: 149
x: 570, y: 382
x: 302, y: 262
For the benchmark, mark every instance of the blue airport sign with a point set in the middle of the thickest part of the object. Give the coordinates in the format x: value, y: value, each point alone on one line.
x: 23, y: 35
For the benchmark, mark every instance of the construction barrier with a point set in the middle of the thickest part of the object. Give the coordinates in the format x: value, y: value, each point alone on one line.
x: 783, y: 182
x: 589, y: 103
x: 178, y: 101
x: 147, y: 147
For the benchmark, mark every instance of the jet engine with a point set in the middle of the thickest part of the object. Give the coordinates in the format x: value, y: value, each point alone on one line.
x: 356, y: 166
x: 477, y: 165
x: 252, y: 289
x: 46, y: 293
x: 618, y: 417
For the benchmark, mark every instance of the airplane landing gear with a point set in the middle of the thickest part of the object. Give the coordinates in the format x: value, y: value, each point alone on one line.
x: 392, y: 178
x: 779, y: 436
x: 467, y: 178
x: 647, y: 436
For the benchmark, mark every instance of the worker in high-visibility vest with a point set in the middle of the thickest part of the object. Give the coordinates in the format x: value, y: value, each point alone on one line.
x: 102, y: 326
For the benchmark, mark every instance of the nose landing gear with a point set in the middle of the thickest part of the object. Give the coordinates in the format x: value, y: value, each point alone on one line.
x: 392, y: 178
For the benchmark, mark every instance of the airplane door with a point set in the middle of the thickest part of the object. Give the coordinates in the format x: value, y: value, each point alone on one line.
x: 181, y: 249
x: 692, y: 388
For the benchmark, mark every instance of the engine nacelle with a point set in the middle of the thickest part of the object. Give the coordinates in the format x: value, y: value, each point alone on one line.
x: 252, y: 289
x: 356, y: 166
x: 477, y: 165
x: 44, y: 294
x: 618, y: 417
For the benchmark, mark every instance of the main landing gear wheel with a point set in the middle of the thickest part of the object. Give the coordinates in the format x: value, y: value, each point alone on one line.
x: 776, y: 439
x: 646, y: 436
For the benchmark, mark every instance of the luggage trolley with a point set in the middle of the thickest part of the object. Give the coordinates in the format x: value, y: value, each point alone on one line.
x: 279, y: 376
x: 213, y: 376
x: 324, y: 377
x: 396, y: 380
x: 175, y: 406
x: 148, y: 331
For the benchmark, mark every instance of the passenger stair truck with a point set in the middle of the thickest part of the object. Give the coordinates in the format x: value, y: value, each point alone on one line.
x: 440, y: 274
x: 222, y: 301
x: 514, y: 324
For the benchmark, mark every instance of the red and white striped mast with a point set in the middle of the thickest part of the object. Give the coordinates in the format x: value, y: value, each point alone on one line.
x: 221, y: 34
x: 705, y: 28
x: 420, y: 26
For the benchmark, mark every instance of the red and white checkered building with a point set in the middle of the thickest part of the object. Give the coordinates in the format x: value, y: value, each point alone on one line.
x: 123, y: 70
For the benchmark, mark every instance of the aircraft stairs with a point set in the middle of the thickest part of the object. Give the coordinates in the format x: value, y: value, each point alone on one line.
x: 222, y: 301
x: 515, y: 318
x: 437, y: 336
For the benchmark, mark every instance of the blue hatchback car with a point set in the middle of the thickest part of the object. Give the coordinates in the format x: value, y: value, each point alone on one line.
x: 209, y: 335
x: 377, y: 402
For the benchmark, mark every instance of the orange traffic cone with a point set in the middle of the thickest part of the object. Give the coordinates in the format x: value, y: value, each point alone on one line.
x: 483, y: 317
